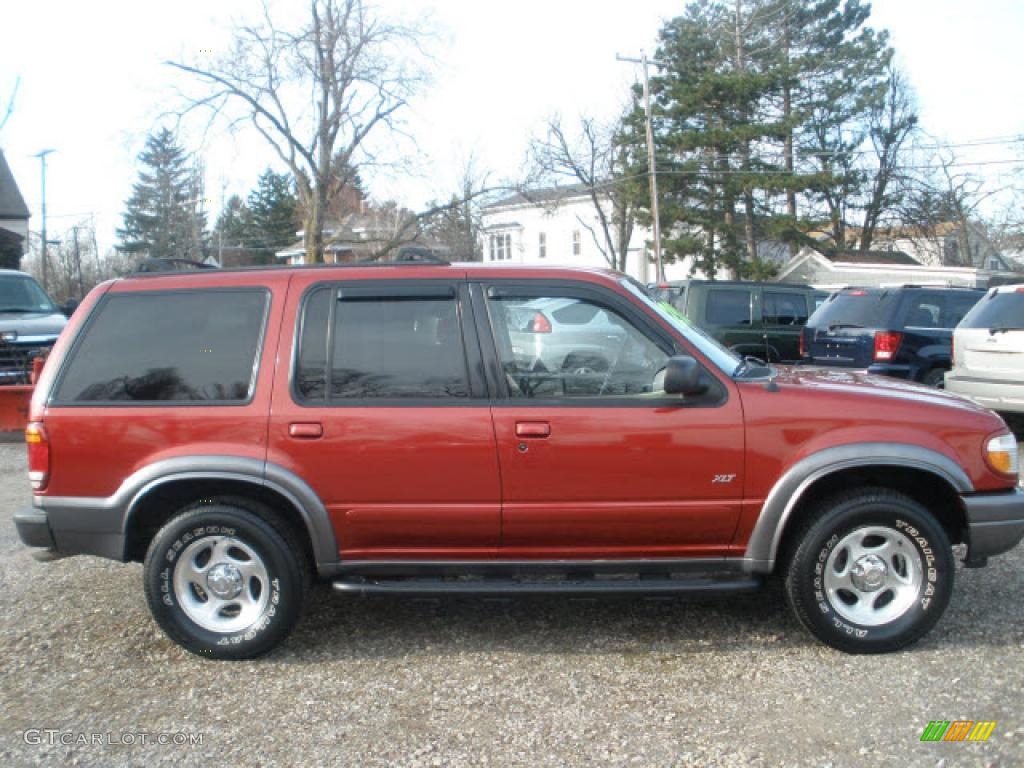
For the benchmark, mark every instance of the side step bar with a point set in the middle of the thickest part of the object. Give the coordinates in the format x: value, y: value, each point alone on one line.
x: 511, y: 587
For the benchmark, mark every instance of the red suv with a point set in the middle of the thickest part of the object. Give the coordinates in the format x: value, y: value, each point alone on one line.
x: 437, y: 429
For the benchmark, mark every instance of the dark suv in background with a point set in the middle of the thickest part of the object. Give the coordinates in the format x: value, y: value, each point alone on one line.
x: 905, y: 332
x: 758, y: 319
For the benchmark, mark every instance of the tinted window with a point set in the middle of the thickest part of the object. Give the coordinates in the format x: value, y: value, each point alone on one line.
x: 311, y: 373
x: 728, y: 307
x: 853, y: 309
x: 924, y: 311
x: 997, y: 310
x: 182, y: 346
x: 563, y: 347
x: 957, y: 307
x: 381, y: 348
x: 784, y: 308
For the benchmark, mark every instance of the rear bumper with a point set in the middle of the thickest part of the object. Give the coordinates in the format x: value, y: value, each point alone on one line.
x: 997, y: 395
x: 995, y: 522
x: 71, y: 530
x: 34, y: 529
x: 893, y: 370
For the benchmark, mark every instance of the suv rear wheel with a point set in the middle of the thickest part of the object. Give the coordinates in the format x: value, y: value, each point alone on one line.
x: 872, y: 572
x: 225, y: 582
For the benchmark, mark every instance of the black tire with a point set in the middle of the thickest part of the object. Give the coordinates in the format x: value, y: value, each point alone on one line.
x: 273, y: 597
x: 936, y: 377
x: 841, y: 525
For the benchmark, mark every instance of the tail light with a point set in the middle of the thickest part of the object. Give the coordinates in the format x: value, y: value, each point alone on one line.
x: 540, y: 324
x: 38, y: 455
x: 886, y: 344
x: 803, y: 342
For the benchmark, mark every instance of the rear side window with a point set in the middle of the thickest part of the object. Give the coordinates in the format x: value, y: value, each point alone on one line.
x: 784, y: 308
x: 727, y: 306
x: 181, y: 346
x: 380, y: 347
x: 924, y: 311
x: 997, y: 310
x: 957, y: 307
x: 853, y: 309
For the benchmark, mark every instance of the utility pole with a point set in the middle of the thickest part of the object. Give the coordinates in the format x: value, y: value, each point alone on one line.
x: 42, y: 161
x: 78, y: 263
x: 652, y: 168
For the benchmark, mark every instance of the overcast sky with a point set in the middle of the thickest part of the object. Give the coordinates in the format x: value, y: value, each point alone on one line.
x: 93, y: 85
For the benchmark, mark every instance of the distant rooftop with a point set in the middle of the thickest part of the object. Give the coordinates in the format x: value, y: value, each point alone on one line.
x: 540, y: 196
x: 12, y: 204
x: 867, y: 257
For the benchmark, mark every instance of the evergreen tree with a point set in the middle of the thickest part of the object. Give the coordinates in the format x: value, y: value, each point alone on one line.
x: 713, y: 118
x: 163, y: 218
x: 273, y: 213
x: 760, y: 104
x: 232, y: 234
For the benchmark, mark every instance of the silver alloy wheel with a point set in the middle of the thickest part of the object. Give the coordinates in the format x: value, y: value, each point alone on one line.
x: 873, y: 575
x: 221, y: 584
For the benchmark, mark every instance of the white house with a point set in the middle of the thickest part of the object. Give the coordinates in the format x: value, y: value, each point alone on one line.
x: 560, y: 226
x: 830, y: 270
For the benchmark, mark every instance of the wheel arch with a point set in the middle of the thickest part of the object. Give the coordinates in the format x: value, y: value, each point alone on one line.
x: 165, y: 491
x: 923, y: 474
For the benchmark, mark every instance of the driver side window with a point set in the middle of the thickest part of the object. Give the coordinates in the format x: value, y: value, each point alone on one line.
x: 557, y: 347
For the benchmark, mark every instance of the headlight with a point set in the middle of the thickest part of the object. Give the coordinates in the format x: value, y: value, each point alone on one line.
x: 1001, y: 454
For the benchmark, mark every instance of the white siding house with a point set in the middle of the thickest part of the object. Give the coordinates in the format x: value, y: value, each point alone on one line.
x: 558, y: 226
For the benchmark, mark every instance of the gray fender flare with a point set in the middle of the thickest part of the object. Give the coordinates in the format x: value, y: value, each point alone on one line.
x: 254, y: 471
x: 763, y: 545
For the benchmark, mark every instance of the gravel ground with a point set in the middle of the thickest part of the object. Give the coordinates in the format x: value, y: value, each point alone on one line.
x: 472, y: 682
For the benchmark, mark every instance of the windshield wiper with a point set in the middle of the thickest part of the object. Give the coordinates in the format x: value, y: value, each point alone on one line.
x: 20, y: 309
x: 836, y: 326
x: 1003, y: 329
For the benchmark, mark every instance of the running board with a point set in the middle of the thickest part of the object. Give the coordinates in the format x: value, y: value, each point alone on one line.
x: 511, y: 587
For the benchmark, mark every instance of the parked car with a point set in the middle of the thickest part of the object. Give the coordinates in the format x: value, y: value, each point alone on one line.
x: 904, y: 332
x: 751, y: 318
x: 387, y: 428
x: 563, y: 345
x: 29, y: 325
x: 988, y: 351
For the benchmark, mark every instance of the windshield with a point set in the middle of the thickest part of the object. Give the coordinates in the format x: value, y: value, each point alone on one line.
x: 1003, y: 309
x: 726, y: 361
x: 20, y: 293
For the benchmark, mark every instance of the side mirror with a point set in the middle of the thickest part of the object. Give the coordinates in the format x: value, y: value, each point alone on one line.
x: 683, y: 376
x: 69, y: 307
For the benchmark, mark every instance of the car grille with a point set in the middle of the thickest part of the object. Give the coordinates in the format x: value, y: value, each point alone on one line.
x: 16, y: 362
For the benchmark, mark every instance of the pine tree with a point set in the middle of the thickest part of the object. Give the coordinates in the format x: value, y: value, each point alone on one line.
x: 760, y: 105
x: 273, y: 213
x: 163, y: 218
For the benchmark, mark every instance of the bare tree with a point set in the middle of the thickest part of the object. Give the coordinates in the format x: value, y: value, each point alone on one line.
x: 891, y: 124
x: 315, y: 94
x: 592, y: 159
x: 10, y: 104
x: 943, y: 208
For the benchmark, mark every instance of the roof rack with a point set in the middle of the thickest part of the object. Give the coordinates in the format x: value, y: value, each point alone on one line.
x: 170, y: 265
x: 409, y: 254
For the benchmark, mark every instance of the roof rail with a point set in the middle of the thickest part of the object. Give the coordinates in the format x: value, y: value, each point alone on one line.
x: 170, y: 265
x: 411, y: 254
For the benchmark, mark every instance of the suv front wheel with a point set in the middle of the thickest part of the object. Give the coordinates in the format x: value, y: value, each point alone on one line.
x: 225, y: 582
x: 871, y: 573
